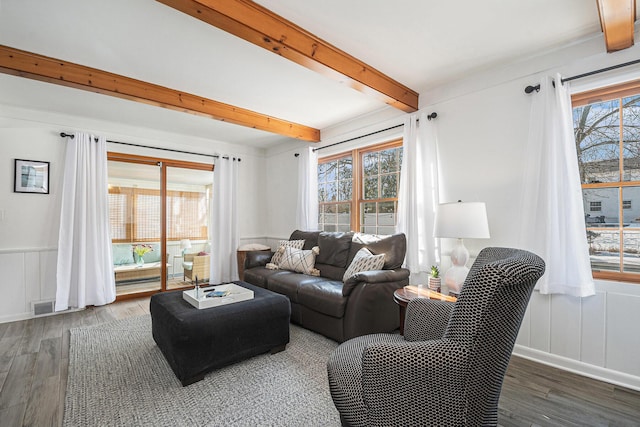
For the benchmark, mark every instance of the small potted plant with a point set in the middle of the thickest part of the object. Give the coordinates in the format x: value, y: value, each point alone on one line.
x: 435, y: 281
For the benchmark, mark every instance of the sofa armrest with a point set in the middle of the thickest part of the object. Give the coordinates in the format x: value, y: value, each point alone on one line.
x: 370, y: 306
x: 375, y: 276
x: 257, y: 259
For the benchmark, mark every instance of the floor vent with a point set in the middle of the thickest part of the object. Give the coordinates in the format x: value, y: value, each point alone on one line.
x: 40, y: 308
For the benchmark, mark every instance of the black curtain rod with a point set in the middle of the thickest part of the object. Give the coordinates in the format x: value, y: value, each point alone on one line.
x: 215, y: 156
x: 357, y: 137
x: 602, y: 70
x: 429, y: 117
x: 530, y: 88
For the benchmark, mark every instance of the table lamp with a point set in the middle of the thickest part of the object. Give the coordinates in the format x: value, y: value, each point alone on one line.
x: 460, y: 220
x: 184, y: 245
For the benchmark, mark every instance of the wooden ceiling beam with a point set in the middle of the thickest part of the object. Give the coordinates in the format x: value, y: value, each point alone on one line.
x: 617, y: 18
x: 260, y: 26
x: 30, y: 65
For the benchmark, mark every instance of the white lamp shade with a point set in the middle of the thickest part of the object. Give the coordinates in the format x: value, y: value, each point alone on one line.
x: 462, y: 220
x: 185, y: 244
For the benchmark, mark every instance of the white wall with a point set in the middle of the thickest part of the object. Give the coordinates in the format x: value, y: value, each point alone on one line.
x: 483, y: 124
x: 29, y: 222
x: 282, y: 191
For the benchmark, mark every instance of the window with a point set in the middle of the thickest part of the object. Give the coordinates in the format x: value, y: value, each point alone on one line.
x: 607, y: 132
x: 335, y: 190
x: 358, y: 190
x: 186, y: 214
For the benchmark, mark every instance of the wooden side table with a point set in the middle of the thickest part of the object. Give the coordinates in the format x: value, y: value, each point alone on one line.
x: 402, y: 297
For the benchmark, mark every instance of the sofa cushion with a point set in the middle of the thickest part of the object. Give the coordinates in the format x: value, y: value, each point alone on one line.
x: 363, y: 261
x: 299, y: 261
x: 288, y: 283
x: 277, y: 256
x: 323, y: 296
x: 334, y: 248
x: 260, y: 275
x: 310, y: 238
x: 393, y: 247
x: 122, y: 253
x: 330, y: 271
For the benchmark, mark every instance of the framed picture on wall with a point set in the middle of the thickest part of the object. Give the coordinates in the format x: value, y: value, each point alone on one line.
x: 31, y: 176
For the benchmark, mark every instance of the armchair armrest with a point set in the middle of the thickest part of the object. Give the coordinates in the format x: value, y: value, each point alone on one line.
x: 200, y: 260
x: 375, y: 276
x: 257, y: 259
x: 402, y: 370
x: 426, y: 319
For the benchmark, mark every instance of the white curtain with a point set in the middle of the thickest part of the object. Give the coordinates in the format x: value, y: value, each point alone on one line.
x: 418, y: 196
x: 223, y: 230
x: 552, y: 212
x: 307, y: 211
x: 85, y: 268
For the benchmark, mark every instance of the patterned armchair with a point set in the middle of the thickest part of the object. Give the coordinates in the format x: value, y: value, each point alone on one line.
x: 449, y: 367
x: 196, y: 266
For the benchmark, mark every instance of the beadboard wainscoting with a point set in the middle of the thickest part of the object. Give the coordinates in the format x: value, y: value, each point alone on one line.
x: 28, y: 278
x: 594, y: 336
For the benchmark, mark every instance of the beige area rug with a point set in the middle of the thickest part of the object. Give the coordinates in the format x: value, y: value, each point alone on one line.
x: 119, y: 377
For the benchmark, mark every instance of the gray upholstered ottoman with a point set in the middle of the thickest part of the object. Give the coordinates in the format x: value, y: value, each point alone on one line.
x: 194, y: 342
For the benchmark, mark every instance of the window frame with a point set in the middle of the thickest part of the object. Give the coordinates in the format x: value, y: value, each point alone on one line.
x: 613, y: 92
x: 357, y: 176
x: 163, y: 164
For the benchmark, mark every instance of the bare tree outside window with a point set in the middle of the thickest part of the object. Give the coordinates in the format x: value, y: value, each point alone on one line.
x: 375, y: 173
x: 607, y: 134
x: 335, y: 193
x: 379, y: 206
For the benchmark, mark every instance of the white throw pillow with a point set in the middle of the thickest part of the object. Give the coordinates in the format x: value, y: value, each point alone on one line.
x: 299, y: 261
x: 363, y: 261
x: 367, y: 238
x: 253, y: 247
x: 297, y: 244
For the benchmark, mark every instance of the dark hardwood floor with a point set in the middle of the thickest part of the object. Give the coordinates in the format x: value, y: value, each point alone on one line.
x: 34, y: 362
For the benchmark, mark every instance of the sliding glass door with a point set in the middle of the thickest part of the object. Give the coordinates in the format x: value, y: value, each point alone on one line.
x: 159, y: 219
x: 134, y: 216
x: 188, y: 207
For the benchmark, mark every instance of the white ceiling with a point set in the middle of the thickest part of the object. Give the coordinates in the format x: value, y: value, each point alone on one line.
x: 420, y: 43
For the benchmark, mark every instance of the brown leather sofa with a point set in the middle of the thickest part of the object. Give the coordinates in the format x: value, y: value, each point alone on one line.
x: 362, y: 305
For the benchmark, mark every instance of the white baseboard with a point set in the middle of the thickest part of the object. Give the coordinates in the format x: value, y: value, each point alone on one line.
x: 580, y: 368
x: 16, y: 317
x: 30, y: 315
